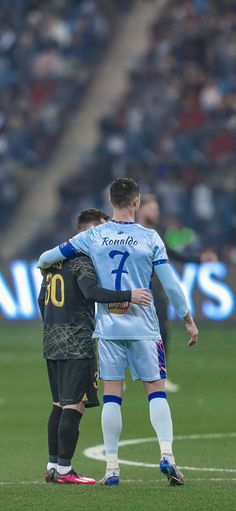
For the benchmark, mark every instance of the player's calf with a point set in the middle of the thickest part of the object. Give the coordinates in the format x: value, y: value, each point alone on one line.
x: 68, y: 433
x: 111, y: 426
x: 53, y: 424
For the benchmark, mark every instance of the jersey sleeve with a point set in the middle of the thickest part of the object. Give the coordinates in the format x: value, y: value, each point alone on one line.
x: 159, y: 251
x: 67, y: 250
x: 79, y: 243
x: 172, y: 288
x: 50, y: 257
x: 82, y: 267
x: 87, y: 281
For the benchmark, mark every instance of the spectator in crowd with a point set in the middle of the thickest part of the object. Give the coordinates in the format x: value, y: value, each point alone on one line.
x: 174, y: 129
x: 48, y: 51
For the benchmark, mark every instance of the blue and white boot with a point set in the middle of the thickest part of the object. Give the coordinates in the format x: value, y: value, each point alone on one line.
x: 111, y: 478
x: 171, y: 471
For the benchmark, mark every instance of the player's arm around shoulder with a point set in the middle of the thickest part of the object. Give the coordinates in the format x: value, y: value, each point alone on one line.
x: 80, y: 243
x: 50, y: 257
x: 88, y: 283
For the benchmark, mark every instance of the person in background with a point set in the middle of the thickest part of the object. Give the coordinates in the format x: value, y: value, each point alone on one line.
x: 149, y: 217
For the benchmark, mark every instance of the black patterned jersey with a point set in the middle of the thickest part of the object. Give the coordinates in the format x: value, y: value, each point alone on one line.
x: 68, y: 316
x: 66, y: 300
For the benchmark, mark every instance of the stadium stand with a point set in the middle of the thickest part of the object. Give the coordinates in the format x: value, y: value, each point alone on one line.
x: 174, y: 129
x: 48, y: 51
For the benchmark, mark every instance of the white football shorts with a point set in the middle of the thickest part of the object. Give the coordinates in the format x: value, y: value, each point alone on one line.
x: 146, y: 359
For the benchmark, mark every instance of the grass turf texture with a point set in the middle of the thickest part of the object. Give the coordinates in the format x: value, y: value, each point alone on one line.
x: 205, y: 405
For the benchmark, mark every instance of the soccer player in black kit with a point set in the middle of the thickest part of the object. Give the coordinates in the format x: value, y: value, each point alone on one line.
x: 66, y: 300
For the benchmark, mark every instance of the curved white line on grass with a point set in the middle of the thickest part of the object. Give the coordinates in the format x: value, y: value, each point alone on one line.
x: 97, y: 452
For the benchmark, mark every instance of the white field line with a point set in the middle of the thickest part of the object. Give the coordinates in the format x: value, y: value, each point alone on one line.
x: 186, y: 479
x: 97, y: 452
x: 127, y: 481
x: 20, y: 483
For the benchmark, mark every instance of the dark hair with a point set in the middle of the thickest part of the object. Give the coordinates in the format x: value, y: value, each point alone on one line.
x: 90, y: 215
x: 123, y: 191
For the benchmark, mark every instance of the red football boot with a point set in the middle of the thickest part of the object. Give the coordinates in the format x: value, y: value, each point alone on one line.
x: 72, y: 478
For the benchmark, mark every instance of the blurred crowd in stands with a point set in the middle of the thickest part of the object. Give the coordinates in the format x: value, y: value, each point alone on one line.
x: 174, y: 129
x: 48, y: 50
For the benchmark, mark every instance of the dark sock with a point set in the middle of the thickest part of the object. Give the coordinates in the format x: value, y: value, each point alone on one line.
x: 53, y: 424
x: 68, y: 433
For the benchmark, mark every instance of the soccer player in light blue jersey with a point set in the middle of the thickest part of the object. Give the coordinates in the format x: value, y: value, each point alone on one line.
x: 125, y: 256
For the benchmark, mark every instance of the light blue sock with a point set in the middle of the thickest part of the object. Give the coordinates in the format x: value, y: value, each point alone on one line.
x: 111, y: 427
x: 161, y: 421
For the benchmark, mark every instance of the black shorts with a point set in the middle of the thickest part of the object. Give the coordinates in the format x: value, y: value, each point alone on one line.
x: 73, y: 381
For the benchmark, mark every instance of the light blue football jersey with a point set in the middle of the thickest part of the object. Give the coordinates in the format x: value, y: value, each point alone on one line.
x: 124, y: 255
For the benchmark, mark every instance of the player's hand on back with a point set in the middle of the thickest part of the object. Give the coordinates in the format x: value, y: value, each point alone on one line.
x: 192, y: 330
x: 141, y: 297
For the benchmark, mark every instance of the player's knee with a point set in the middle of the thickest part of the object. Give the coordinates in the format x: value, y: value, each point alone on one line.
x: 114, y: 388
x: 78, y: 406
x: 154, y: 386
x: 55, y: 403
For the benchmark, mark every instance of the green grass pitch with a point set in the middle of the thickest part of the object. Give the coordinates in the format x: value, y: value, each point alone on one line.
x: 205, y: 405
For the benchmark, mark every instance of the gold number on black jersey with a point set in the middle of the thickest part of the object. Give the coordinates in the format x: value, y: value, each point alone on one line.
x: 95, y: 381
x: 55, y: 290
x: 48, y: 289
